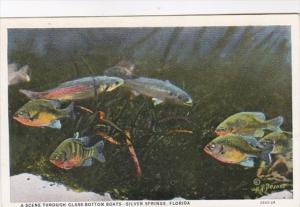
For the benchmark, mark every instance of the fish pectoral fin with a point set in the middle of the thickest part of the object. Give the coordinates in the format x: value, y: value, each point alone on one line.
x: 55, y: 124
x: 87, y: 163
x: 34, y: 116
x: 99, y: 152
x: 248, y: 162
x: 259, y: 133
x: 157, y: 101
x: 135, y: 93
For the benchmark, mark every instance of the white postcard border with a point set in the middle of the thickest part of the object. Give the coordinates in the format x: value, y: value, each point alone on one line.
x: 157, y: 21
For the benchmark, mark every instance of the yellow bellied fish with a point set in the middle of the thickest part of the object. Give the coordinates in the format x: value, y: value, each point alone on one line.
x: 73, y: 152
x: 282, y: 141
x: 43, y: 113
x: 234, y: 149
x: 248, y: 124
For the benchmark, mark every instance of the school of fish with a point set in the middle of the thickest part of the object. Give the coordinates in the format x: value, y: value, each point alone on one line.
x: 45, y: 108
x: 242, y: 139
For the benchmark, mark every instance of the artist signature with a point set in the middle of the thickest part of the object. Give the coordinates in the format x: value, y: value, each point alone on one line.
x: 265, y: 188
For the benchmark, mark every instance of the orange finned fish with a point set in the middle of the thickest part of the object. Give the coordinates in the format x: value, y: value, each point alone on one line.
x: 43, y: 113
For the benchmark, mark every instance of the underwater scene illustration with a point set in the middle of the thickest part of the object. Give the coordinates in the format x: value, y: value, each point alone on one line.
x: 153, y: 113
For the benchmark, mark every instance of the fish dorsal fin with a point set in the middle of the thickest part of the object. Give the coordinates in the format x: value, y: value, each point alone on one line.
x: 84, y: 140
x: 259, y: 115
x: 55, y: 124
x: 87, y: 162
x: 76, y: 135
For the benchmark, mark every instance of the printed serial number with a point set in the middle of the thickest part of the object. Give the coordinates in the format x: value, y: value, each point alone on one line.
x: 267, y: 202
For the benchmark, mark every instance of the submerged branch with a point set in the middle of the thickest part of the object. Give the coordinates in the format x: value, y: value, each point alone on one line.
x: 85, y: 109
x: 133, y: 154
x: 107, y: 138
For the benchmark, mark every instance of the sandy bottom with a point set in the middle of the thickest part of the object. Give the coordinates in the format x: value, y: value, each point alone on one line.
x: 31, y: 188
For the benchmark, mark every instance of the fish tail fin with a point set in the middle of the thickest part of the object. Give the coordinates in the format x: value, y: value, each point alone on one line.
x: 290, y: 134
x: 70, y: 111
x: 265, y: 154
x: 31, y: 94
x: 25, y: 71
x: 274, y: 124
x: 98, y: 151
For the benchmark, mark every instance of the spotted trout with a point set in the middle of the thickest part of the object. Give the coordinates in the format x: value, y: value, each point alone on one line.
x: 234, y: 149
x: 73, y: 152
x: 249, y: 124
x: 83, y: 88
x: 160, y: 91
x: 43, y: 113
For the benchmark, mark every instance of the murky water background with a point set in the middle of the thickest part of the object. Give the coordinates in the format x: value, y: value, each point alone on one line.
x: 225, y: 69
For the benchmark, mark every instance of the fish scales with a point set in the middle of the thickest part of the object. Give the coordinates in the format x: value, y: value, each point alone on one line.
x: 83, y: 88
x: 160, y: 91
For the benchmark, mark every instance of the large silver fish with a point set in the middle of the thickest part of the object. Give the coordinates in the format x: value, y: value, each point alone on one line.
x: 78, y: 89
x: 16, y: 76
x: 160, y: 91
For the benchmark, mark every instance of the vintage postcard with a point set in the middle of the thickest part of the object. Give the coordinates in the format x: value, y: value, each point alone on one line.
x: 150, y: 111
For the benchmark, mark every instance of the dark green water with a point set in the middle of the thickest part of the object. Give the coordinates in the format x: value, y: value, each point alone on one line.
x: 225, y: 70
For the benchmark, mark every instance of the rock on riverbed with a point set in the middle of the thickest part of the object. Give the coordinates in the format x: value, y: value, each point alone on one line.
x: 31, y: 188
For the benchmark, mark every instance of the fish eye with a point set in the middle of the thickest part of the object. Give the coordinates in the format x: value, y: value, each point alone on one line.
x: 117, y: 82
x: 21, y: 113
x: 212, y: 146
